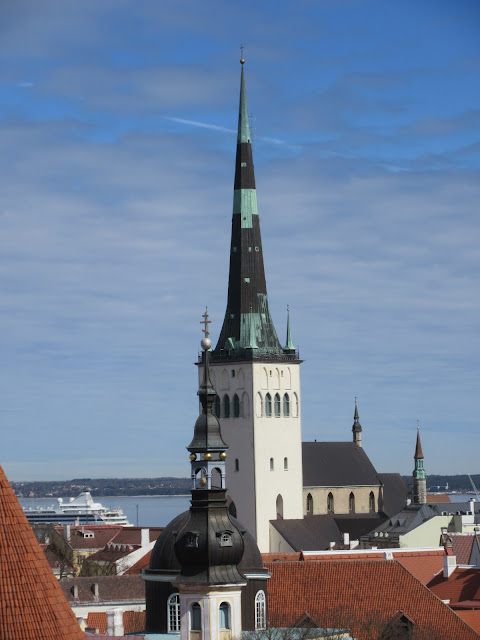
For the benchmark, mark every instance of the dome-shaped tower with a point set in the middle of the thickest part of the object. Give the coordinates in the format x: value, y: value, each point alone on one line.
x: 206, y: 576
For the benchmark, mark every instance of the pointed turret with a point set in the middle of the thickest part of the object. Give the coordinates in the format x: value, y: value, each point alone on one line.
x: 357, y: 427
x: 289, y: 346
x: 419, y: 475
x: 247, y: 318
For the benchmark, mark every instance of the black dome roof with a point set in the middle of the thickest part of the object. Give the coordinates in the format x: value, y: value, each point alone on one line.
x: 164, y: 558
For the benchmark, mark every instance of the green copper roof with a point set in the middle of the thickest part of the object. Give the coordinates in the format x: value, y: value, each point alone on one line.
x: 243, y: 126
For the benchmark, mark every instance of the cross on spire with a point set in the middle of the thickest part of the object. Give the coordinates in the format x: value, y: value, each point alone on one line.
x: 205, y: 322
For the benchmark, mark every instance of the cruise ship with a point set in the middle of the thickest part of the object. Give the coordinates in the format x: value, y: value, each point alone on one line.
x: 77, y: 511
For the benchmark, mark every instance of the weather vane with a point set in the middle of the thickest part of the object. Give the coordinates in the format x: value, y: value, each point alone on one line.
x: 242, y: 60
x: 418, y: 424
x: 205, y: 322
x: 355, y: 399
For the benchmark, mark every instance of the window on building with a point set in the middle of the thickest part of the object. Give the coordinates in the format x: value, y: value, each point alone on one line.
x: 371, y: 501
x: 279, y: 505
x: 268, y: 405
x: 226, y: 406
x: 216, y: 407
x: 196, y: 617
x: 310, y: 504
x: 236, y: 406
x: 272, y: 464
x: 173, y: 613
x: 226, y: 539
x: 286, y: 404
x: 330, y: 503
x: 260, y: 611
x: 237, y: 465
x: 285, y: 464
x: 224, y: 616
x: 351, y: 503
x: 233, y: 373
x: 277, y: 405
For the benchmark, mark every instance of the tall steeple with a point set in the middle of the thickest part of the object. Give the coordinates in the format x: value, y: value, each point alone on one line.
x: 419, y: 475
x: 248, y: 331
x: 357, y: 427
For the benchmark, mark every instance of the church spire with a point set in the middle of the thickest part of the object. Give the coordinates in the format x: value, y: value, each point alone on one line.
x: 357, y: 427
x: 419, y: 475
x: 289, y: 346
x: 247, y: 318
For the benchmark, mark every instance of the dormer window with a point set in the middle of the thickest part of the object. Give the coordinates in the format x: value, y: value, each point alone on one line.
x: 226, y: 539
x: 191, y: 540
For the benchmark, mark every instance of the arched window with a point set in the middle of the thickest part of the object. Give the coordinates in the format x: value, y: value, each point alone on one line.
x: 286, y: 405
x: 330, y: 503
x: 226, y: 406
x: 277, y: 405
x: 279, y: 506
x: 196, y: 617
x: 268, y: 405
x: 216, y: 406
x: 371, y: 501
x: 285, y: 464
x: 224, y: 616
x: 351, y: 503
x: 272, y: 465
x: 309, y: 504
x: 236, y: 406
x: 260, y: 611
x: 237, y: 465
x: 245, y: 409
x: 173, y: 613
x: 259, y: 405
x: 295, y: 406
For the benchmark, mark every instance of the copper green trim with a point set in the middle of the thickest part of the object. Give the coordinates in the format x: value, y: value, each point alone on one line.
x: 243, y: 126
x: 245, y: 204
x: 252, y: 344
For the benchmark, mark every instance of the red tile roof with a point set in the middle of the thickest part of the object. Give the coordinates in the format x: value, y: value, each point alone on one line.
x: 32, y: 604
x: 472, y: 618
x: 143, y: 563
x: 133, y: 621
x: 102, y: 534
x: 423, y: 564
x: 462, y: 546
x: 356, y: 594
x: 463, y: 584
x: 437, y: 497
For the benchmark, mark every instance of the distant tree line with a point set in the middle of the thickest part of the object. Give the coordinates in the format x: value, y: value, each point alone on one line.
x: 460, y: 483
x: 104, y: 487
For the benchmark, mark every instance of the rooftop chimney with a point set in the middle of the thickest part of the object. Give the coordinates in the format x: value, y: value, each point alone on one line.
x: 115, y: 622
x: 145, y: 537
x: 449, y: 565
x: 67, y: 532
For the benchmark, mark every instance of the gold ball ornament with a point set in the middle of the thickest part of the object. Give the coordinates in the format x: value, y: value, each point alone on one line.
x: 223, y: 455
x: 207, y: 456
x: 193, y: 456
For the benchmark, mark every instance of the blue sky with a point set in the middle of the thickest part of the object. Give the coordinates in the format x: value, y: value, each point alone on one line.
x: 117, y: 156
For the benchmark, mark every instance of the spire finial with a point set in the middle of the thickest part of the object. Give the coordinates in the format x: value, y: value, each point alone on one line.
x: 205, y: 322
x: 289, y: 346
x: 418, y: 424
x: 242, y: 59
x: 356, y: 399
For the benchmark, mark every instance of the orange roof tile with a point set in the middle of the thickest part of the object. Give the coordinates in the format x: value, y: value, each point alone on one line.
x: 472, y: 618
x: 32, y: 603
x: 133, y: 621
x: 433, y: 498
x: 356, y: 594
x: 463, y: 584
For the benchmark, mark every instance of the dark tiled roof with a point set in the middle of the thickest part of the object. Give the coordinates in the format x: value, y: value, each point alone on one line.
x: 316, y: 532
x: 132, y: 535
x: 110, y: 589
x: 336, y: 464
x: 102, y: 534
x: 32, y: 605
x: 395, y: 493
x: 354, y: 594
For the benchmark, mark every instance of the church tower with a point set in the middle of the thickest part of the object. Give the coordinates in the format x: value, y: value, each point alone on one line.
x: 357, y: 427
x: 256, y: 379
x: 419, y: 475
